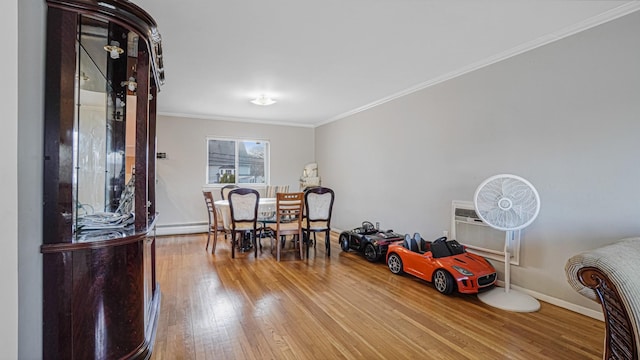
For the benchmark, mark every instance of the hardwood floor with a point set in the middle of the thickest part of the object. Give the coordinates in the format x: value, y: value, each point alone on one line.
x: 343, y: 307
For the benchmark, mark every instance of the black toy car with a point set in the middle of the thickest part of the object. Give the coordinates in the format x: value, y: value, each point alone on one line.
x: 372, y: 242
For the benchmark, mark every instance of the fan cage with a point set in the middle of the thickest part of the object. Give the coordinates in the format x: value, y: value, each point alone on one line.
x: 507, y: 202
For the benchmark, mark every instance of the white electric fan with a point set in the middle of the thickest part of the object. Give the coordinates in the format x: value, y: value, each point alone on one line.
x: 508, y: 203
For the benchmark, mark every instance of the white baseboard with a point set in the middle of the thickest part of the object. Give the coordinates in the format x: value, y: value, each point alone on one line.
x: 559, y: 302
x: 180, y: 229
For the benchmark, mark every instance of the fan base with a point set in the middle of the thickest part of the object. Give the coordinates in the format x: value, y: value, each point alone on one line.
x: 511, y: 301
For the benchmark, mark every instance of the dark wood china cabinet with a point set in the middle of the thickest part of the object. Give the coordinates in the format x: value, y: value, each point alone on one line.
x: 103, y: 72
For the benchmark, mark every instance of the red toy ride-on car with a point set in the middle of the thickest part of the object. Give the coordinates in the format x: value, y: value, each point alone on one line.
x: 446, y: 264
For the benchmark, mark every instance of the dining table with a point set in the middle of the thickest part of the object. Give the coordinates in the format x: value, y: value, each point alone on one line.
x: 266, y: 211
x: 266, y: 215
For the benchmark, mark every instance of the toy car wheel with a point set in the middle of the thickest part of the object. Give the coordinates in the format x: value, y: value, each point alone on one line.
x: 344, y: 242
x: 370, y: 253
x: 395, y: 264
x: 443, y: 281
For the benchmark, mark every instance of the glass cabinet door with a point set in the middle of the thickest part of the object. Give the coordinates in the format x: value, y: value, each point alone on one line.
x: 104, y: 130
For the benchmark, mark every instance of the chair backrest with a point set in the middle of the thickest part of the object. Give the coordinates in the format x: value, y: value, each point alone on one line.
x: 224, y: 191
x: 272, y: 190
x: 243, y: 205
x: 318, y: 203
x: 208, y: 199
x: 282, y: 189
x: 289, y: 207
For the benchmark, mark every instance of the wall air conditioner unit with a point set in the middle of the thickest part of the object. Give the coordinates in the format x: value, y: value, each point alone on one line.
x: 478, y: 237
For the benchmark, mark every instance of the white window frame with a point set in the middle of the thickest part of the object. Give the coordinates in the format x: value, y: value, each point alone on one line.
x: 478, y: 244
x: 237, y: 141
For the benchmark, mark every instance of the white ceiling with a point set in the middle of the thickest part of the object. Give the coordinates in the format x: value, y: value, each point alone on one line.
x: 323, y: 60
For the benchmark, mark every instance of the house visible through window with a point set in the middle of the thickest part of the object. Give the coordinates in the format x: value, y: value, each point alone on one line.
x: 237, y: 161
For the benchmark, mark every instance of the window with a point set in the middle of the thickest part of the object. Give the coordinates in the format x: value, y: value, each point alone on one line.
x: 237, y: 161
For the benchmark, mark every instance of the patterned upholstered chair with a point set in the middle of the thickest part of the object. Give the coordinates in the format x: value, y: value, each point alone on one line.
x: 272, y: 190
x: 318, y: 204
x: 224, y: 191
x: 609, y: 275
x: 243, y: 206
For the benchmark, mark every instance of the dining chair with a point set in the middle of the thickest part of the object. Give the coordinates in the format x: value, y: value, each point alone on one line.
x: 224, y: 191
x: 215, y: 221
x: 272, y: 190
x: 318, y: 204
x: 289, y: 209
x: 243, y: 207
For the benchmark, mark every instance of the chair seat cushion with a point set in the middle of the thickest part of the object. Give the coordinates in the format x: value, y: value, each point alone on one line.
x: 286, y: 226
x: 244, y: 225
x: 315, y: 225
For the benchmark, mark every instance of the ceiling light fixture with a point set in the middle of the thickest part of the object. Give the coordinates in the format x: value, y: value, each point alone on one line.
x: 263, y: 100
x: 114, y: 49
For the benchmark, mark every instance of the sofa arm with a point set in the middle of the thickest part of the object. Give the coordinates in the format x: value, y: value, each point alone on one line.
x: 611, y: 275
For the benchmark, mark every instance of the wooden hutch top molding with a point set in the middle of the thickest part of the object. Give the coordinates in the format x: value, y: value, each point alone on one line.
x: 127, y: 14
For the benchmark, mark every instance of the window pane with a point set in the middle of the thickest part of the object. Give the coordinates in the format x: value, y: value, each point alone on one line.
x: 251, y: 162
x: 222, y: 162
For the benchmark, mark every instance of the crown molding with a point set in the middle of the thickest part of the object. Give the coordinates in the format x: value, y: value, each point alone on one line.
x: 578, y: 27
x: 235, y: 119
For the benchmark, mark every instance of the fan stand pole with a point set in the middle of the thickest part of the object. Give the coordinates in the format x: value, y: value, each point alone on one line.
x: 507, y: 298
x: 507, y: 269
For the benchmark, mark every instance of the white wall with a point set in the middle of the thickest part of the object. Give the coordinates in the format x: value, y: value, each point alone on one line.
x: 568, y: 114
x: 564, y: 116
x: 9, y: 184
x: 30, y: 137
x: 182, y: 175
